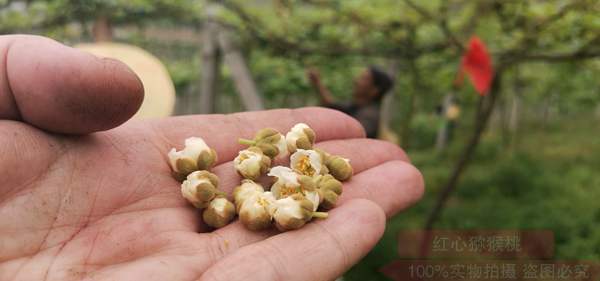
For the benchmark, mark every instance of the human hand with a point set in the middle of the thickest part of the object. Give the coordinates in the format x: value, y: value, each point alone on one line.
x: 104, y: 206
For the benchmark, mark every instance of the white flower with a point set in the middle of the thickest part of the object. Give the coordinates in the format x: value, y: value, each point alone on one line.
x: 244, y: 191
x: 300, y: 136
x: 284, y: 175
x: 251, y: 163
x: 292, y: 212
x: 200, y: 188
x: 287, y: 181
x: 196, y: 155
x: 257, y: 210
x: 306, y: 162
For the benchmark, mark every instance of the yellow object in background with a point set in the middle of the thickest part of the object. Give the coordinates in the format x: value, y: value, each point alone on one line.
x: 159, y: 91
x: 452, y: 112
x: 386, y: 134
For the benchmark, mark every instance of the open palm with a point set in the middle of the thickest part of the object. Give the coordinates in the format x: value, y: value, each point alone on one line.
x: 103, y: 206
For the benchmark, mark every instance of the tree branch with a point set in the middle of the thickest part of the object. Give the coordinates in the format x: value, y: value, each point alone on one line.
x: 442, y: 23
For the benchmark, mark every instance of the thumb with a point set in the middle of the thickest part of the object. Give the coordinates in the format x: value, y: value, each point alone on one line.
x: 63, y: 90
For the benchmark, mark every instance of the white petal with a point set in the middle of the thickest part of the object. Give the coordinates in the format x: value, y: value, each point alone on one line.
x: 315, y: 161
x: 299, y: 128
x: 194, y: 146
x: 313, y: 197
x: 288, y: 207
x: 294, y: 134
x: 284, y: 175
x: 173, y: 156
x: 282, y: 146
x: 188, y: 187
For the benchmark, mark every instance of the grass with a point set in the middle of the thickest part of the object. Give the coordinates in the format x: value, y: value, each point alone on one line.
x: 549, y: 181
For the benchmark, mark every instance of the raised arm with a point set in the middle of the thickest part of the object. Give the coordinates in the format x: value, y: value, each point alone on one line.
x: 325, y: 96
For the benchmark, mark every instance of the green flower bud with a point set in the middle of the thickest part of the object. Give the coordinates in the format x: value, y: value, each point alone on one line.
x: 329, y: 190
x: 306, y: 183
x: 206, y: 159
x: 270, y: 141
x: 268, y: 149
x: 266, y: 133
x: 339, y: 167
x: 329, y: 199
x: 242, y: 192
x: 219, y: 212
x: 200, y: 188
x: 251, y: 163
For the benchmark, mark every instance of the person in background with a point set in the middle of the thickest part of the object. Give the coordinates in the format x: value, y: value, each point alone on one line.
x: 369, y: 89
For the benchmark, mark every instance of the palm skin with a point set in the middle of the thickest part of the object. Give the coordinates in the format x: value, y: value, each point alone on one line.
x: 82, y: 201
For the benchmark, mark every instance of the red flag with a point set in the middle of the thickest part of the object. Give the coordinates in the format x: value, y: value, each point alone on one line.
x: 477, y: 63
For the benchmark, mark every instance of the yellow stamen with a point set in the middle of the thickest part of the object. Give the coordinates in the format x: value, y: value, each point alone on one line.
x: 305, y: 167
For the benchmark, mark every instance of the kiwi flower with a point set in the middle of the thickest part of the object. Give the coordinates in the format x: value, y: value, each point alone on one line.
x: 289, y: 183
x: 196, y: 155
x: 293, y: 212
x: 200, y: 188
x: 251, y: 163
x: 219, y: 212
x: 256, y: 211
x: 339, y: 167
x: 245, y: 190
x: 300, y: 136
x: 307, y: 162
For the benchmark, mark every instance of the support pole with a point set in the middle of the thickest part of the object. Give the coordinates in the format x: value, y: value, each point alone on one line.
x: 210, y: 64
x: 243, y: 81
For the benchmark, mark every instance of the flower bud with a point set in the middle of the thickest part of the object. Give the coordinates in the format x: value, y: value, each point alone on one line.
x: 200, y: 188
x: 266, y: 133
x: 300, y: 136
x: 196, y: 155
x: 251, y: 163
x: 339, y: 167
x: 256, y: 211
x: 307, y: 162
x: 219, y: 212
x: 270, y: 141
x: 268, y: 149
x: 242, y: 192
x: 329, y: 190
x: 292, y: 212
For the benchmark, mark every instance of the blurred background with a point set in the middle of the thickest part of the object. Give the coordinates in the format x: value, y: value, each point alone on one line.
x: 523, y: 155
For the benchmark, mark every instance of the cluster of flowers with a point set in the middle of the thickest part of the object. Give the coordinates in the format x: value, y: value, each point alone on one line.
x: 310, y: 186
x: 201, y: 187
